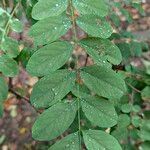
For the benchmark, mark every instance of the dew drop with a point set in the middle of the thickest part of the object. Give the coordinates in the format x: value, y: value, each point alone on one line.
x: 75, y: 133
x: 89, y: 140
x: 56, y: 94
x: 67, y: 145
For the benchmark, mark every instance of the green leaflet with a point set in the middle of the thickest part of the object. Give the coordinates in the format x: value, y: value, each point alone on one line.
x: 54, y: 121
x: 3, y: 17
x: 103, y: 81
x: 52, y: 88
x: 136, y: 121
x: 126, y: 108
x: 147, y: 66
x: 136, y: 108
x: 3, y: 94
x: 1, y: 109
x: 98, y: 7
x: 99, y: 111
x: 125, y: 50
x: 146, y: 93
x: 136, y: 49
x: 121, y: 134
x: 102, y: 50
x: 3, y: 89
x: 8, y: 66
x: 2, y: 11
x: 16, y: 25
x: 100, y: 140
x: 145, y: 146
x: 49, y: 58
x: 126, y: 14
x: 50, y: 29
x: 115, y: 19
x: 47, y: 8
x: 95, y: 26
x: 70, y: 142
x: 123, y: 121
x: 144, y: 132
x: 10, y: 47
x: 83, y: 91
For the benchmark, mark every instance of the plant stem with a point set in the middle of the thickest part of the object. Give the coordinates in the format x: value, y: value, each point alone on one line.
x: 4, y: 4
x: 79, y: 119
x: 19, y: 95
x: 133, y: 88
x: 6, y: 29
x: 75, y: 40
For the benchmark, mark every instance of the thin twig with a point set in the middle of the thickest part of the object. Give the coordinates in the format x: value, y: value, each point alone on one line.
x: 19, y: 95
x: 4, y: 4
x: 25, y: 99
x: 135, y: 76
x: 16, y: 93
x: 135, y: 89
